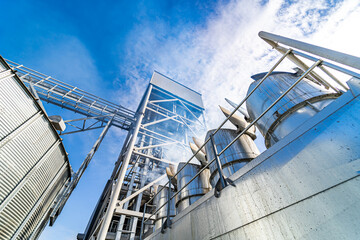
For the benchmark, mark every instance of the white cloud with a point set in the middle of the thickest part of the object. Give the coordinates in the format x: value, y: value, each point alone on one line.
x: 216, y: 60
x: 219, y: 59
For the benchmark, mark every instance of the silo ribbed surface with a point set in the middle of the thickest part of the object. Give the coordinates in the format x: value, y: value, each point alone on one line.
x: 300, y: 104
x: 196, y: 189
x: 33, y: 163
x: 235, y: 157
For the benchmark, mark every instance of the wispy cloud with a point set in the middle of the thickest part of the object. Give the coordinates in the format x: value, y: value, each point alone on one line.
x: 216, y: 58
x: 219, y: 59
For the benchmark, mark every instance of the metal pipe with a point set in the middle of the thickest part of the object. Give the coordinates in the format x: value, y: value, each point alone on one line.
x: 168, y: 220
x: 130, y: 189
x: 273, y: 104
x: 115, y: 194
x: 231, y: 114
x: 333, y: 77
x: 218, y: 164
x: 327, y: 64
x: 336, y: 56
x: 76, y: 178
x: 142, y: 223
x: 140, y: 195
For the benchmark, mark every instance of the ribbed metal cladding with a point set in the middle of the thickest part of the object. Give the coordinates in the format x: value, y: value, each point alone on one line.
x: 33, y: 163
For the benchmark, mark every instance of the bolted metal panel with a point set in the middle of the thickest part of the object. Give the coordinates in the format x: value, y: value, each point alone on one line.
x: 33, y: 163
x: 300, y: 104
x: 196, y: 189
x: 235, y: 157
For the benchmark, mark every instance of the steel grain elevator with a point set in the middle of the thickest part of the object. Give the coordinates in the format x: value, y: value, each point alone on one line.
x: 34, y: 167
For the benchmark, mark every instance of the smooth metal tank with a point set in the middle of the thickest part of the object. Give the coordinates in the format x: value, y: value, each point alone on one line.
x: 196, y: 189
x: 235, y: 157
x: 159, y: 200
x: 34, y: 167
x: 301, y: 103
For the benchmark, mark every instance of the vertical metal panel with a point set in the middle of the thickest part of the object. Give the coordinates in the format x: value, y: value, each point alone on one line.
x: 26, y: 146
x: 15, y: 106
x: 36, y: 222
x: 33, y: 162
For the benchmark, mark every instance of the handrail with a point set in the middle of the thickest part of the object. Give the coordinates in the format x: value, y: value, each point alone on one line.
x: 317, y: 63
x: 48, y: 86
x: 207, y: 140
x: 227, y: 118
x: 237, y: 137
x: 335, y: 56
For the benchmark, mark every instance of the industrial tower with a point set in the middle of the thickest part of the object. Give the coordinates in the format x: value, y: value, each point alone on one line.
x: 168, y: 116
x: 305, y: 185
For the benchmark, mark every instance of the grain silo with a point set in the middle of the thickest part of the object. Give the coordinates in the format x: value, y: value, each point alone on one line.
x: 34, y: 167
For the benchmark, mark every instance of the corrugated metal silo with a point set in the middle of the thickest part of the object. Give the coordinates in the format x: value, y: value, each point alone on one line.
x: 33, y: 163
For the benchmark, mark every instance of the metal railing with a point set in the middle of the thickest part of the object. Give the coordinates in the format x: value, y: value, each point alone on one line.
x: 317, y: 63
x: 66, y: 96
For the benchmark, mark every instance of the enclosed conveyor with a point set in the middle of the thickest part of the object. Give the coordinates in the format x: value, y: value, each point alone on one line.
x: 305, y: 100
x: 34, y: 167
x: 196, y: 189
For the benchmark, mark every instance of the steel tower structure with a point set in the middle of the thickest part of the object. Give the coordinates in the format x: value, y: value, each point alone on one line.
x: 159, y: 131
x: 168, y: 115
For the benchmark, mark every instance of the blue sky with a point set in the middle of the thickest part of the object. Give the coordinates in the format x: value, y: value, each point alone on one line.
x: 110, y: 48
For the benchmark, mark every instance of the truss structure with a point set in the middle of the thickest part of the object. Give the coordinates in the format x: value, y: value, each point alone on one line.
x: 159, y: 132
x: 72, y: 98
x: 159, y: 138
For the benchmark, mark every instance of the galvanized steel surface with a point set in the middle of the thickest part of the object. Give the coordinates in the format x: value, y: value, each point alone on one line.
x: 306, y: 186
x: 276, y: 124
x: 197, y: 188
x: 235, y: 157
x: 159, y: 200
x: 33, y: 164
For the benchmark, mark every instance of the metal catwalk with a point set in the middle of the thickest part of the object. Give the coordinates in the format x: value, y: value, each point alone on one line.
x: 169, y: 114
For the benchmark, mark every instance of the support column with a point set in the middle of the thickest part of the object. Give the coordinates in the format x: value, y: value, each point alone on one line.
x: 115, y: 194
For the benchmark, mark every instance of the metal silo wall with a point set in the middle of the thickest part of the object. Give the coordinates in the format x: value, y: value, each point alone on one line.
x: 33, y: 163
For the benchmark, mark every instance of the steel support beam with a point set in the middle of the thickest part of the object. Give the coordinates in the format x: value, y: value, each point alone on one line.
x: 120, y: 179
x: 336, y: 56
x: 76, y: 177
x: 132, y: 213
